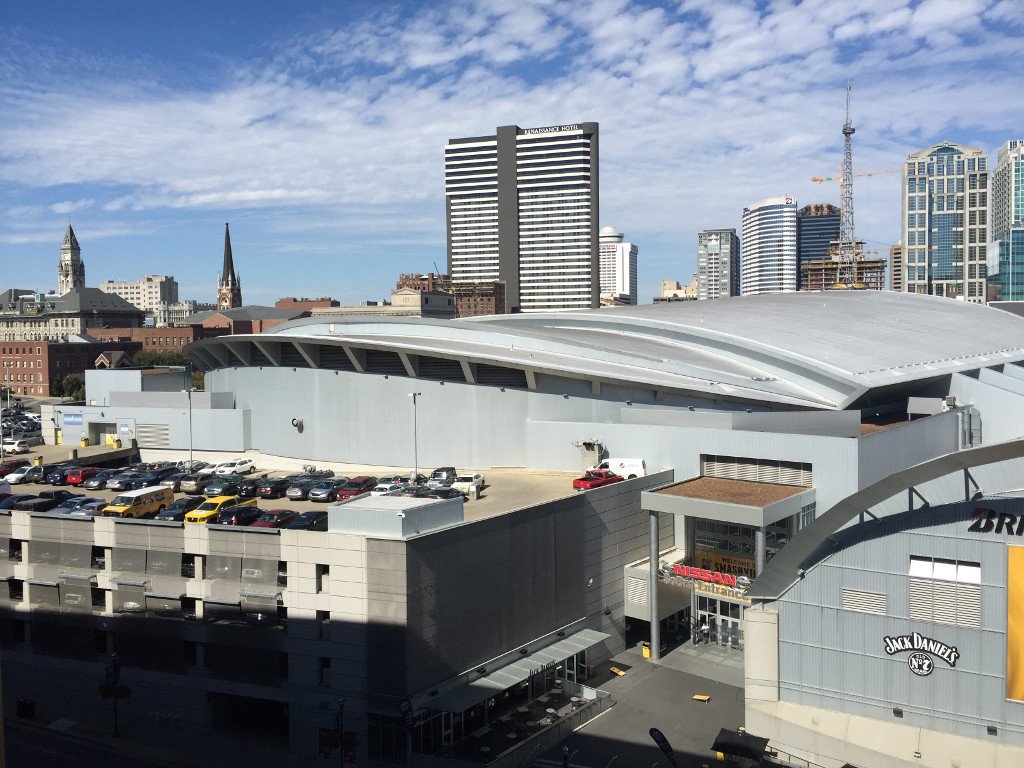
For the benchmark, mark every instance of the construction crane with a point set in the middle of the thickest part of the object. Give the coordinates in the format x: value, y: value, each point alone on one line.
x: 839, y: 178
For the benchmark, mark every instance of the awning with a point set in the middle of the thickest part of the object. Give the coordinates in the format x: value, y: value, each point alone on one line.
x: 739, y: 744
x: 470, y: 694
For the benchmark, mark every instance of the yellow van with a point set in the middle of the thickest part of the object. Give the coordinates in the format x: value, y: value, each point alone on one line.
x: 210, y: 508
x: 144, y: 502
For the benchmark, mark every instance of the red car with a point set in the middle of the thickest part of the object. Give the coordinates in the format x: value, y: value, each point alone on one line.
x: 275, y: 518
x: 595, y: 478
x: 356, y: 486
x: 10, y: 465
x: 79, y: 475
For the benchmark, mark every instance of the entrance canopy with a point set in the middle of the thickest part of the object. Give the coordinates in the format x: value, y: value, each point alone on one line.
x: 489, y: 685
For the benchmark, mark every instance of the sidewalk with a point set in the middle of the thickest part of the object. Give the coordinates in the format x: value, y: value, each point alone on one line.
x: 709, y: 660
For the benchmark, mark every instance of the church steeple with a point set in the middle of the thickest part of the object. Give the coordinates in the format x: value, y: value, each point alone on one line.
x: 229, y: 287
x: 71, y: 269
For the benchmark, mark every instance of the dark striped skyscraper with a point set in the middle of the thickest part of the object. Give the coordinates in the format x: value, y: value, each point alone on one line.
x: 522, y: 209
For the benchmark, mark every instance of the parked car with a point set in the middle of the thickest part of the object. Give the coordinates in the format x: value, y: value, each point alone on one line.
x: 389, y: 480
x: 275, y: 487
x: 179, y: 508
x: 70, y: 505
x: 17, y: 475
x: 21, y: 444
x: 209, y: 509
x: 141, y: 502
x: 383, y: 490
x: 78, y: 475
x: 299, y: 490
x: 196, y: 483
x: 416, y: 491
x: 595, y: 478
x: 412, y: 479
x: 13, y: 499
x: 356, y: 486
x: 36, y: 504
x: 59, y: 476
x: 99, y: 481
x: 627, y: 468
x: 223, y: 485
x: 247, y: 486
x: 91, y: 508
x: 122, y: 481
x: 466, y: 483
x: 173, y: 481
x: 236, y: 467
x: 326, y: 490
x: 211, y: 469
x: 275, y: 518
x: 441, y: 477
x: 153, y: 477
x: 33, y: 474
x: 311, y: 520
x: 445, y: 493
x: 244, y: 515
x: 10, y: 465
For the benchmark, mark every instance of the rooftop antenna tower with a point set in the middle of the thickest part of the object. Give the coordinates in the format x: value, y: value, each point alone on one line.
x: 847, y: 252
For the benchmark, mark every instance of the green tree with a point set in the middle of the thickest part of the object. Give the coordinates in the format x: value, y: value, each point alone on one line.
x: 198, y: 380
x: 57, y: 387
x: 74, y: 389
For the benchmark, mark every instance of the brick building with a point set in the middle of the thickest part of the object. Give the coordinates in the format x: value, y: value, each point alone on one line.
x: 30, y: 368
x: 306, y: 305
x: 159, y: 339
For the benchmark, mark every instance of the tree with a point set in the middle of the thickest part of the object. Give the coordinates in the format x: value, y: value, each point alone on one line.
x: 57, y: 387
x: 160, y: 357
x: 198, y: 380
x: 74, y: 389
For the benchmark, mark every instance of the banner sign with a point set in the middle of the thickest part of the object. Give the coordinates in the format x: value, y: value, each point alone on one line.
x: 921, y: 650
x: 717, y: 561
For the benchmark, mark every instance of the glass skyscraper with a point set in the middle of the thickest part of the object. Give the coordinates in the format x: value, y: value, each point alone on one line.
x: 769, y: 246
x: 945, y: 222
x: 817, y: 226
x: 1006, y: 253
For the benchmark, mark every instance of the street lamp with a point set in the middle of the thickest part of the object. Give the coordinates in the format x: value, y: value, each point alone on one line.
x: 415, y: 443
x: 113, y: 678
x: 339, y: 730
x: 189, y: 391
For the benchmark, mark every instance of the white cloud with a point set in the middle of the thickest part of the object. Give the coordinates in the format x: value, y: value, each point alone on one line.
x: 69, y: 206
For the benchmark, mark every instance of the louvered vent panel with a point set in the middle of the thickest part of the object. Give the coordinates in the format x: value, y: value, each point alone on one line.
x: 864, y: 602
x: 944, y: 602
x: 636, y: 591
x: 920, y: 603
x: 152, y: 435
x: 968, y: 605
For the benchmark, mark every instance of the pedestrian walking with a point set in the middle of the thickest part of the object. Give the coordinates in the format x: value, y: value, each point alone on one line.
x: 705, y: 632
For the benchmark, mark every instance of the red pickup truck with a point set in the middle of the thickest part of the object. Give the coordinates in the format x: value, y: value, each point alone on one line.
x: 595, y: 478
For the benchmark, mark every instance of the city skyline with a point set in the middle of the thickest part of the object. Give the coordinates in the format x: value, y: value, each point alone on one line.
x: 319, y: 135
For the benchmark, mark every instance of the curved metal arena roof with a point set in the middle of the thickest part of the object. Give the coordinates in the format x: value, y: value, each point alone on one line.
x: 807, y: 349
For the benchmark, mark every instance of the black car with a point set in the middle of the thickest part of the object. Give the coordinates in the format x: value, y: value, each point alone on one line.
x: 152, y: 477
x: 313, y: 520
x: 36, y: 504
x: 59, y: 476
x: 415, y: 491
x: 274, y: 487
x: 445, y: 493
x: 13, y: 499
x: 247, y: 487
x: 179, y: 508
x: 239, y: 515
x: 99, y: 481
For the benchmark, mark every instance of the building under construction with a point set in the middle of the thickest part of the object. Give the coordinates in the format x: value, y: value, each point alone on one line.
x: 823, y: 274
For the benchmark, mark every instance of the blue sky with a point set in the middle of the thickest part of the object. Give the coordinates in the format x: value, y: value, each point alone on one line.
x: 317, y: 129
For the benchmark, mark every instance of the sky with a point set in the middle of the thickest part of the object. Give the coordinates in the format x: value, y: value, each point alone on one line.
x: 317, y: 129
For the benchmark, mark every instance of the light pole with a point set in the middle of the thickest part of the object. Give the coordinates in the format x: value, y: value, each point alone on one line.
x: 190, y: 390
x: 415, y: 443
x: 339, y: 728
x: 113, y: 678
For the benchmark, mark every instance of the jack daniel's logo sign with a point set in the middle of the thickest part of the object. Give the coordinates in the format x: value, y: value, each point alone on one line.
x: 921, y: 650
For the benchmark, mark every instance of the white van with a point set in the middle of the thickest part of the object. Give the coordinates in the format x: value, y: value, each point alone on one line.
x: 628, y: 468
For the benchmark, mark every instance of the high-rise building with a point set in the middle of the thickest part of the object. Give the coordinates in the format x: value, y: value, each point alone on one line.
x: 618, y: 267
x: 71, y: 269
x: 896, y: 271
x: 522, y: 209
x: 229, y: 286
x: 1006, y: 252
x: 945, y: 222
x: 718, y: 263
x: 151, y: 294
x: 817, y: 233
x: 769, y: 246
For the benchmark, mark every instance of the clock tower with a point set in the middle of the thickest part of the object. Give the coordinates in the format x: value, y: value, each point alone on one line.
x: 229, y: 286
x: 71, y: 269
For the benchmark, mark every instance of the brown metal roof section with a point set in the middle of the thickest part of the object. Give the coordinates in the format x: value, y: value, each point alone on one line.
x: 732, y: 491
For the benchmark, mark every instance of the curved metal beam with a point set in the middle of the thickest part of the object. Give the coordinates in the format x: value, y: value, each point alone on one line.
x: 784, y: 569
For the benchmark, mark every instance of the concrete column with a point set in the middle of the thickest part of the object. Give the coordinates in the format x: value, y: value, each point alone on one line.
x: 759, y: 550
x: 652, y: 590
